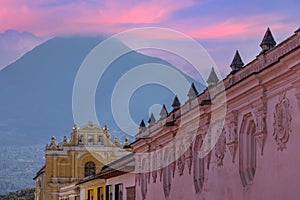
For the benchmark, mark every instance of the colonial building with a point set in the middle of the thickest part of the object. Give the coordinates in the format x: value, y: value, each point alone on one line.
x: 245, y: 147
x: 238, y: 139
x: 67, y: 162
x: 116, y: 181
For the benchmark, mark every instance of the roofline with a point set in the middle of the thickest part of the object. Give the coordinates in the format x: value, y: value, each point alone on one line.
x: 109, y: 171
x: 41, y: 171
x: 252, y: 64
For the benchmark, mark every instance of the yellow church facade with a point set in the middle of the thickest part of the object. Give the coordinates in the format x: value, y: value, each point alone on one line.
x: 70, y: 161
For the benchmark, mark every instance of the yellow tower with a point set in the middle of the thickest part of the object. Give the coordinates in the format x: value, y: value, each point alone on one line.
x: 88, y: 150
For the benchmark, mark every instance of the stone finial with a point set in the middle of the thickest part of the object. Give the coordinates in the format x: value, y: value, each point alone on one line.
x: 75, y: 128
x: 126, y: 142
x: 151, y: 120
x: 65, y: 139
x: 163, y: 112
x: 142, y: 126
x: 212, y: 79
x: 105, y: 128
x: 116, y: 141
x: 236, y: 63
x: 176, y: 103
x: 268, y: 41
x: 53, y: 141
x: 193, y: 93
x: 126, y: 145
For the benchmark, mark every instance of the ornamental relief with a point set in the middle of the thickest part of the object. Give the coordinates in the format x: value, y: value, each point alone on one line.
x: 282, y: 121
x: 189, y: 158
x: 296, y: 85
x: 259, y: 115
x: 160, y: 164
x: 180, y: 161
x: 217, y: 141
x: 154, y: 167
x: 231, y: 130
x: 220, y: 148
x: 172, y: 156
x: 188, y: 154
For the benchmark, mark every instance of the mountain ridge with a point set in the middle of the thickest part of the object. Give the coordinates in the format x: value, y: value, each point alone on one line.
x: 36, y: 101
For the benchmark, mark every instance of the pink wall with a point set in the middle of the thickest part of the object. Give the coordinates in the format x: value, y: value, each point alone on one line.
x: 277, y: 171
x: 127, y: 180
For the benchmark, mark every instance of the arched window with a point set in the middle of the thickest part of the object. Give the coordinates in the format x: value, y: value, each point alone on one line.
x: 167, y: 173
x: 198, y: 165
x: 81, y: 139
x: 90, y: 140
x: 89, y: 169
x: 247, y: 151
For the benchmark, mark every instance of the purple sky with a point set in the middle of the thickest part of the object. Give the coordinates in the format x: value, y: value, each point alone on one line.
x: 220, y: 26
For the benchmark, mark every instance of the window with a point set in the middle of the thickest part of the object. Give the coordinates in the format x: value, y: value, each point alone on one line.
x: 119, y: 192
x: 108, y: 192
x: 39, y: 185
x: 198, y: 165
x: 81, y: 139
x: 90, y: 195
x: 100, y: 141
x: 89, y: 169
x: 130, y: 193
x: 100, y: 193
x: 247, y: 152
x: 90, y: 140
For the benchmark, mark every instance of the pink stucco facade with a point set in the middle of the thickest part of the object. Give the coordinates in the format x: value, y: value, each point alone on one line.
x: 256, y: 155
x: 127, y: 181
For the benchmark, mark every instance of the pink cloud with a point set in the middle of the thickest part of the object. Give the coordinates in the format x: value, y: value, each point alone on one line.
x: 81, y: 16
x: 113, y: 17
x: 110, y: 17
x: 246, y: 27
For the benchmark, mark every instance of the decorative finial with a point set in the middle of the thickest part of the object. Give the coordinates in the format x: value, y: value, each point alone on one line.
x: 151, y: 120
x: 237, y: 62
x: 105, y: 128
x: 268, y: 41
x: 163, y: 112
x: 193, y: 93
x: 212, y: 78
x: 126, y: 142
x: 176, y: 103
x: 53, y: 141
x: 65, y: 139
x: 116, y: 142
x: 142, y: 126
x: 75, y: 128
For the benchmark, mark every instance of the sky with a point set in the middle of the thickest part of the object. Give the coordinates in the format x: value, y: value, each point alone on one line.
x: 219, y: 26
